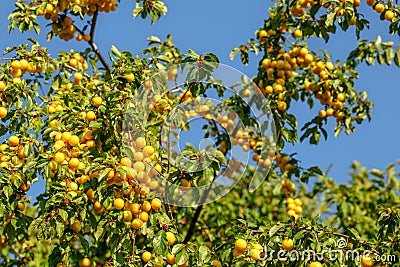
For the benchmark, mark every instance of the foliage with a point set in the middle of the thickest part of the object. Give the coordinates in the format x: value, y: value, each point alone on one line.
x: 64, y: 121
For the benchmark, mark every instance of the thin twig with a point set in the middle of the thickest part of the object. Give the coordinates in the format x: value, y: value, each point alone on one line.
x: 93, y: 45
x: 98, y: 53
x: 317, y: 239
x: 221, y: 246
x: 389, y: 178
x: 196, y: 215
x: 16, y: 253
x: 166, y: 204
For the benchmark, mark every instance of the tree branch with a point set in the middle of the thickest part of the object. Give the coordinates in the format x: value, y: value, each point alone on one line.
x: 196, y: 215
x: 92, y: 43
x: 94, y: 23
x: 193, y: 222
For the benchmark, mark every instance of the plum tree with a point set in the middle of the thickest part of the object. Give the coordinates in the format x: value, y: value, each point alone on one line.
x: 117, y: 191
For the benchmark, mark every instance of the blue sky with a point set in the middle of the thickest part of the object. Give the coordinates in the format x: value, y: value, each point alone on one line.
x: 218, y: 27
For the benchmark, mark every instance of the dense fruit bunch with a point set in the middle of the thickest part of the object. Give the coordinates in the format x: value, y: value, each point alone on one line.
x: 294, y: 207
x: 253, y: 250
x: 19, y: 67
x: 63, y: 25
x: 53, y: 8
x: 388, y: 11
x: 280, y: 70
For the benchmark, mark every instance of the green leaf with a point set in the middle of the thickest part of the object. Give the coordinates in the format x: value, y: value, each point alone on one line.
x: 36, y: 27
x: 208, y: 176
x: 3, y: 130
x: 160, y: 66
x: 370, y: 60
x: 96, y: 124
x: 160, y: 243
x: 315, y: 138
x: 34, y: 225
x: 63, y: 214
x: 204, y: 254
x: 177, y: 248
x: 99, y: 230
x: 2, y: 209
x: 7, y: 191
x: 277, y: 190
x: 287, y: 134
x: 119, y: 258
x: 378, y: 40
x: 381, y: 58
x: 244, y: 56
x: 103, y: 173
x: 316, y: 170
x: 193, y: 54
x: 220, y: 157
x: 397, y: 57
x: 274, y: 229
x: 84, y: 242
x: 138, y: 9
x: 299, y: 235
x: 389, y: 55
x: 154, y: 39
x: 354, y: 232
x: 115, y: 51
x: 377, y: 173
x: 56, y: 83
x: 330, y: 19
x: 161, y: 7
x: 233, y: 53
x: 121, y: 170
x: 182, y: 257
x: 59, y: 228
